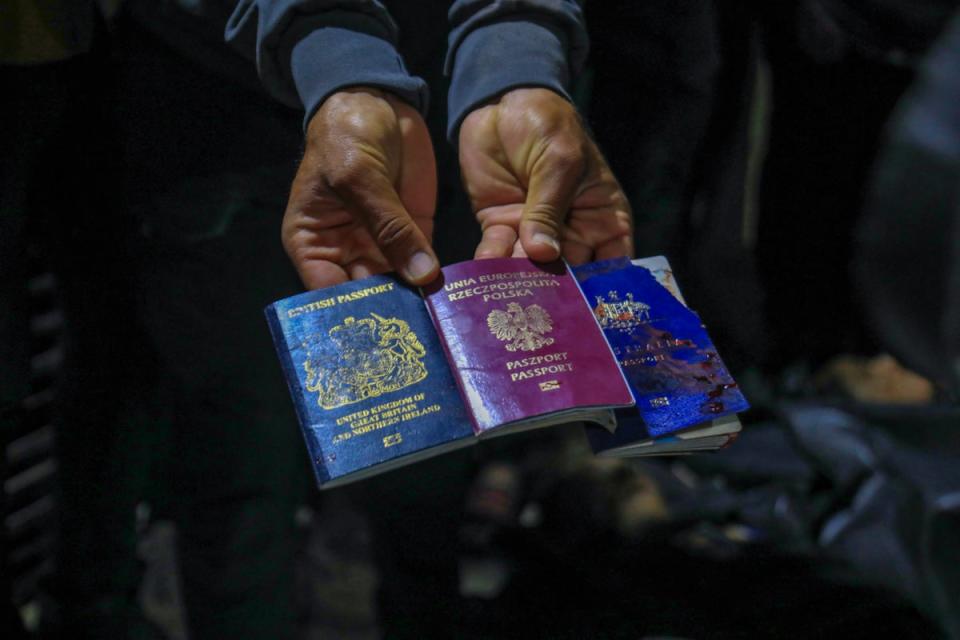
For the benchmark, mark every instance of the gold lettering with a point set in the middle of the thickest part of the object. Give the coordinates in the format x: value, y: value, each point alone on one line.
x: 458, y: 284
x: 536, y: 372
x: 316, y: 305
x: 501, y: 290
x: 383, y: 415
x: 363, y: 293
x: 560, y: 356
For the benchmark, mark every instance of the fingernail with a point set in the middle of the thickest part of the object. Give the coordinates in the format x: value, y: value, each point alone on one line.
x: 542, y: 238
x: 420, y: 265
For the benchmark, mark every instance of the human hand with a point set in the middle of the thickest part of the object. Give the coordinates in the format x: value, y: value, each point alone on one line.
x: 363, y: 199
x: 538, y: 184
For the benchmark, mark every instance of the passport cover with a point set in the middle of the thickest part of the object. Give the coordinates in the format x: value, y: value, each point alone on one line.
x: 675, y: 373
x: 522, y: 342
x: 368, y: 377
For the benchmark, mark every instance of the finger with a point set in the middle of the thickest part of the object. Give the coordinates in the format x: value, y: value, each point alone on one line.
x: 365, y: 267
x: 317, y: 274
x: 577, y: 253
x: 497, y: 242
x: 605, y: 234
x: 418, y: 169
x: 372, y: 198
x: 619, y: 247
x: 553, y: 185
x: 317, y: 264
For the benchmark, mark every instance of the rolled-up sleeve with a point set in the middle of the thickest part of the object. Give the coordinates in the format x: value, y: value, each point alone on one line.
x: 497, y: 45
x: 308, y: 49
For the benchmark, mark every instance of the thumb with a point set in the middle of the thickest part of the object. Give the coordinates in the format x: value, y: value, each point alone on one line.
x: 554, y: 180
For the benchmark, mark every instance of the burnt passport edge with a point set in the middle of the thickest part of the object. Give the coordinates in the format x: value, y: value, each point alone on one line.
x: 297, y: 393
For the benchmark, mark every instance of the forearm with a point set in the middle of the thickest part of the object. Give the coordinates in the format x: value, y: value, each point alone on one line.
x: 306, y: 50
x: 498, y: 45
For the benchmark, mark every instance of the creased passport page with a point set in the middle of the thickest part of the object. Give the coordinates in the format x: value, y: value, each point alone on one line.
x: 677, y: 377
x: 522, y: 341
x: 367, y: 375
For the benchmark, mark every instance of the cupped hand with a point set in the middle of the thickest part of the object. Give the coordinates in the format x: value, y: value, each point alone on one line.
x: 364, y: 196
x: 538, y: 184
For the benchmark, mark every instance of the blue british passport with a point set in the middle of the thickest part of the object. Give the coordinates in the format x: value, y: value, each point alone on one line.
x: 674, y: 371
x: 368, y: 377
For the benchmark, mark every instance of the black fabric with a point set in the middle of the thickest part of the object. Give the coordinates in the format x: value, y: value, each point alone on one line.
x: 900, y: 29
x: 672, y: 82
x: 854, y: 496
x: 60, y: 192
x: 825, y: 127
x: 674, y: 85
x: 819, y: 523
x: 909, y: 260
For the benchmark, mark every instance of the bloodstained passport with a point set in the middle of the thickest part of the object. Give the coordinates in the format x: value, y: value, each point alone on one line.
x: 686, y: 399
x: 382, y: 375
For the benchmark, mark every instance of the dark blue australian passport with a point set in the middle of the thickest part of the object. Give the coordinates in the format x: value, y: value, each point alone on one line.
x: 677, y: 377
x: 368, y: 376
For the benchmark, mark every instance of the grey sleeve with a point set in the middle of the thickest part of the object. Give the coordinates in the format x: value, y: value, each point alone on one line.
x: 498, y: 45
x: 308, y: 49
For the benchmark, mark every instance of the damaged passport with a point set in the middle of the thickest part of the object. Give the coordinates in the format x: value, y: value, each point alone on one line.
x: 686, y: 399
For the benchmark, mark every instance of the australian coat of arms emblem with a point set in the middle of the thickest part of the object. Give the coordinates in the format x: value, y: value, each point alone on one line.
x: 371, y: 357
x: 614, y: 313
x: 521, y: 328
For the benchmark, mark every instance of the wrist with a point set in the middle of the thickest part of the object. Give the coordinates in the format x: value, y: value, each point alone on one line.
x: 524, y: 55
x: 335, y: 60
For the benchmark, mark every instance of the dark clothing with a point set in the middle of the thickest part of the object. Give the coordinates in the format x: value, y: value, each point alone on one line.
x: 67, y: 213
x: 909, y: 240
x: 743, y: 134
x: 307, y: 49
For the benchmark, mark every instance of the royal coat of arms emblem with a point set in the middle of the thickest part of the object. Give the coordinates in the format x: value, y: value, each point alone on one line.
x: 614, y: 313
x: 521, y: 328
x: 373, y: 356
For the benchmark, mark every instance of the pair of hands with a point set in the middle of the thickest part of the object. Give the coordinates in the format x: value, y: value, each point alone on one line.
x: 364, y: 196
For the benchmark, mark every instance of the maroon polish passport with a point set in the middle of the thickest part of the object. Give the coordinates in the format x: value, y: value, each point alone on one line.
x: 524, y: 346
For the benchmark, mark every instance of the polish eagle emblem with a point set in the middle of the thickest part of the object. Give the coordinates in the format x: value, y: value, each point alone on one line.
x: 522, y: 329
